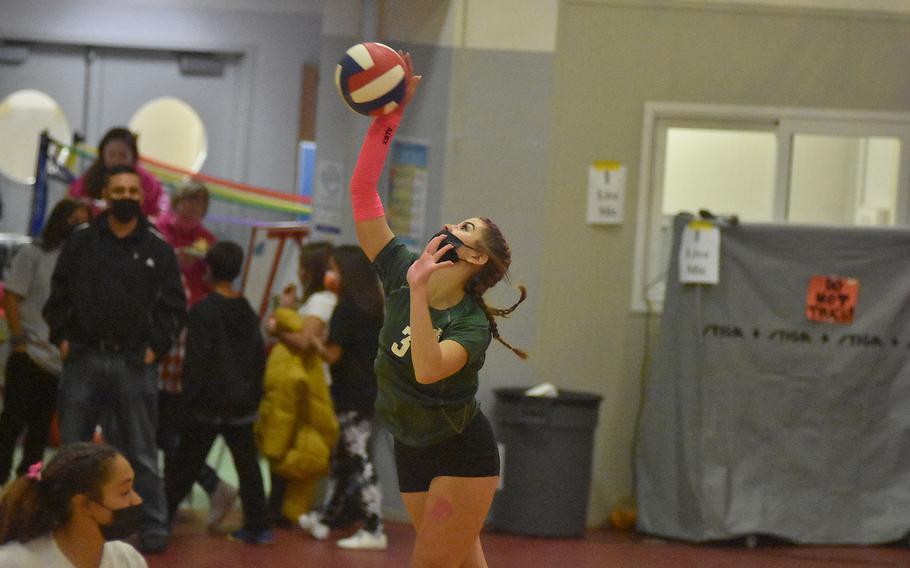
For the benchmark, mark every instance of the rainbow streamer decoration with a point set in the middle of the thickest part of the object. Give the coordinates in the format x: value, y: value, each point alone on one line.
x: 220, y: 189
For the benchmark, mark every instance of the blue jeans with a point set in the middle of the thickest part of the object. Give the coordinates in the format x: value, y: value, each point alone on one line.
x: 120, y: 392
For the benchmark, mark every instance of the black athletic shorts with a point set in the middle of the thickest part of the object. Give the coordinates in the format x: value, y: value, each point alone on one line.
x: 473, y: 453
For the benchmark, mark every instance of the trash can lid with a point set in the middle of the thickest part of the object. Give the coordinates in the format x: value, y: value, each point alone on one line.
x: 566, y: 397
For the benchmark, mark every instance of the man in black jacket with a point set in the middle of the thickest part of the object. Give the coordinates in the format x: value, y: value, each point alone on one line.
x: 116, y: 304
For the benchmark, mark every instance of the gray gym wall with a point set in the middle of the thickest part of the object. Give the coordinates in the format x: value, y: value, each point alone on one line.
x: 612, y: 57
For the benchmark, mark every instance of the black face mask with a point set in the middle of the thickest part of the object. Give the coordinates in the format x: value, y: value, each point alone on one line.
x: 450, y: 239
x: 125, y: 210
x: 124, y: 522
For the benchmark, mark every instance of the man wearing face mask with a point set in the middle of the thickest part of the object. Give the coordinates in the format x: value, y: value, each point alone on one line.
x: 115, y: 306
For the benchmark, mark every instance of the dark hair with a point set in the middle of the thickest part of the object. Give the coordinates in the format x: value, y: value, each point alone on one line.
x: 359, y: 282
x: 95, y: 179
x: 117, y: 170
x: 191, y: 190
x: 30, y: 508
x: 493, y: 243
x: 314, y: 260
x: 57, y: 227
x: 225, y: 259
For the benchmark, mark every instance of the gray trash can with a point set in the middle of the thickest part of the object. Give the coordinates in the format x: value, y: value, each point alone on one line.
x: 546, y: 446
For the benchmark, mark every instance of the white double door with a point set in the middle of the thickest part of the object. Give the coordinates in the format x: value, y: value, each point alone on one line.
x: 99, y: 88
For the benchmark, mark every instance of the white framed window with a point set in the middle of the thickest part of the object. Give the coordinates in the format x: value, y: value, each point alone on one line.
x: 170, y: 130
x: 764, y: 164
x: 24, y: 114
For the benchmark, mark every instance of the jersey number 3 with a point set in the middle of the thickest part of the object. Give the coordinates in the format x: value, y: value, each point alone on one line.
x: 400, y: 349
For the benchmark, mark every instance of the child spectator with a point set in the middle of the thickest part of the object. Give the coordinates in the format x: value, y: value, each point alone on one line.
x: 34, y: 365
x: 297, y: 427
x: 353, y: 493
x: 182, y: 229
x: 222, y: 386
x: 72, y: 512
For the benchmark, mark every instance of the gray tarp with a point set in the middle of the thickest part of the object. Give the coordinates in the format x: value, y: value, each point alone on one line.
x: 759, y: 421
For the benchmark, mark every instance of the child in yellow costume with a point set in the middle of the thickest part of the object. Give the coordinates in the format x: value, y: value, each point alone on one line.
x: 297, y: 427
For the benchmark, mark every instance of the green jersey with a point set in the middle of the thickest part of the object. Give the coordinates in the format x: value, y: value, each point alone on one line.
x: 417, y: 414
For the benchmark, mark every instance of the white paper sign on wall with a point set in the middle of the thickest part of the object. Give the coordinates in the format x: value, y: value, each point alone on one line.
x: 606, y: 192
x: 699, y: 254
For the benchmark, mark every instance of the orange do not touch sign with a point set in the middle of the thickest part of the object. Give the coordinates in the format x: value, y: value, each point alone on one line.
x: 831, y: 299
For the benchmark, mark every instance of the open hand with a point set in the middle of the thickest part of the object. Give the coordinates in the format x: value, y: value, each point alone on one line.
x: 413, y: 80
x: 427, y: 263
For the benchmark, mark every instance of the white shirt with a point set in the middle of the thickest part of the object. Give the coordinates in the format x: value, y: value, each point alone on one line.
x: 320, y: 305
x: 44, y: 553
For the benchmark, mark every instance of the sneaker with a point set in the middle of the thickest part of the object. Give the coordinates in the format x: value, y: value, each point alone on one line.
x: 263, y: 538
x: 320, y: 531
x: 312, y: 523
x: 221, y: 502
x: 307, y: 520
x: 364, y: 540
x: 152, y: 543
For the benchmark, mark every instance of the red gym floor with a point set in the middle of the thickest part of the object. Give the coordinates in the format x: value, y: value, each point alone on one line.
x: 192, y: 547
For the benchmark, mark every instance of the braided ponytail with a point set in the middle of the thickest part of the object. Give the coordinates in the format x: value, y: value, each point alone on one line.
x: 497, y: 267
x: 494, y: 329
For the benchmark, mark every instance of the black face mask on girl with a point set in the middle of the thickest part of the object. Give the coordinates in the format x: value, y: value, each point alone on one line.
x: 124, y: 522
x: 456, y: 243
x: 125, y: 210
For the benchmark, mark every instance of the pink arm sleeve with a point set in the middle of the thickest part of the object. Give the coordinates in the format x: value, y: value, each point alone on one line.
x: 364, y: 194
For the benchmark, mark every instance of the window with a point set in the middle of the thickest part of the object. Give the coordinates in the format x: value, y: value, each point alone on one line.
x: 23, y: 116
x: 171, y: 131
x: 764, y: 165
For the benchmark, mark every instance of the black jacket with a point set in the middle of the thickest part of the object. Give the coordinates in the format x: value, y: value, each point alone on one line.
x: 225, y: 358
x: 120, y: 290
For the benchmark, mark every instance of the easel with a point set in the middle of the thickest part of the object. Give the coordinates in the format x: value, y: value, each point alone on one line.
x: 265, y: 257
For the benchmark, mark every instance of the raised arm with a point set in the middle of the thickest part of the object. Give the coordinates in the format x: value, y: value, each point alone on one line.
x: 373, y: 232
x: 433, y: 360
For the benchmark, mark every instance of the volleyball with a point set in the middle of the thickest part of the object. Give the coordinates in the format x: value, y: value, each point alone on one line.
x: 371, y: 79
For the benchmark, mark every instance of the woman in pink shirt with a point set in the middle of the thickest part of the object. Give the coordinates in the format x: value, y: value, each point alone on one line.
x: 118, y: 147
x: 182, y: 229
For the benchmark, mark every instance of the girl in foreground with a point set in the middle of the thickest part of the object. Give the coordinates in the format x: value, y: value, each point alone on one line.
x: 71, y: 512
x: 432, y: 345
